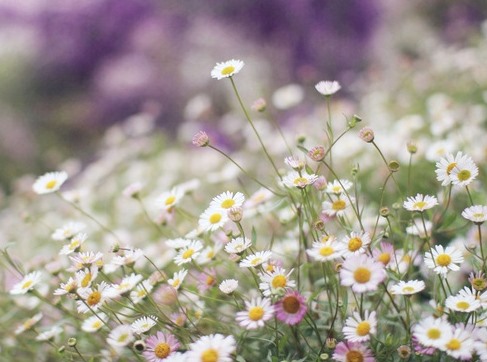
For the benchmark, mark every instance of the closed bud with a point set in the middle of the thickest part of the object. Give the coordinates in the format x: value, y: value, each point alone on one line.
x: 317, y: 153
x: 300, y: 139
x: 404, y: 352
x: 235, y: 214
x: 384, y: 211
x: 393, y: 166
x: 331, y: 343
x: 139, y: 346
x: 72, y: 342
x: 61, y: 349
x: 367, y: 134
x: 412, y: 148
x: 259, y: 105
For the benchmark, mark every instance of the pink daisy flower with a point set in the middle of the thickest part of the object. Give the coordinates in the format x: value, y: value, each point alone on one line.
x: 291, y: 308
x: 349, y: 352
x: 160, y: 346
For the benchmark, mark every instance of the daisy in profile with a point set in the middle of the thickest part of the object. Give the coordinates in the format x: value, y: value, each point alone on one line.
x: 299, y: 180
x: 120, y: 336
x: 49, y: 182
x: 93, y: 298
x: 227, y: 200
x: 69, y: 287
x: 160, y: 346
x: 338, y: 187
x: 169, y: 199
x: 257, y: 312
x: 465, y: 303
x: 275, y: 282
x: 188, y: 253
x: 94, y: 323
x: 325, y: 251
x: 362, y: 273
x: 214, y: 348
x: 68, y: 230
x: 74, y: 244
x: 291, y: 308
x: 355, y: 243
x: 177, y: 279
x: 408, y: 288
x: 461, y: 343
x: 477, y: 213
x: 336, y: 207
x: 420, y: 203
x: 351, y: 352
x: 86, y: 259
x: 49, y: 334
x: 327, y: 87
x: 228, y: 286
x: 28, y: 282
x: 143, y: 324
x: 127, y: 283
x: 227, y: 69
x: 358, y: 329
x: 85, y: 277
x: 433, y: 332
x: 213, y: 218
x: 141, y: 291
x: 442, y: 260
x: 28, y: 324
x: 256, y: 259
x: 238, y: 245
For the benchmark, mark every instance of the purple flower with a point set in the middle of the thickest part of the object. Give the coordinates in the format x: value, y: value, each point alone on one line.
x: 291, y: 308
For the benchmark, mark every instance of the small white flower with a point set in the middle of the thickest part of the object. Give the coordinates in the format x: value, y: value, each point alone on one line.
x: 328, y: 88
x: 408, y: 288
x: 433, y: 332
x: 27, y: 283
x: 338, y: 186
x: 420, y: 203
x: 188, y: 253
x: 68, y: 231
x: 336, y: 207
x: 94, y: 323
x: 214, y: 347
x: 227, y: 200
x: 49, y: 334
x: 141, y: 291
x: 476, y: 213
x: 74, y: 244
x: 442, y: 260
x: 258, y: 311
x: 227, y: 69
x: 256, y: 259
x: 358, y: 329
x: 213, y: 218
x: 228, y: 286
x: 294, y: 179
x: 49, y: 182
x: 169, y: 199
x: 120, y: 336
x: 238, y: 245
x: 462, y: 303
x: 275, y: 282
x: 127, y: 283
x: 177, y: 279
x: 143, y: 324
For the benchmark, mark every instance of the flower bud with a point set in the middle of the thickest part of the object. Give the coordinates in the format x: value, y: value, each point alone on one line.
x: 317, y: 153
x: 367, y: 134
x: 259, y: 105
x: 201, y: 139
x: 412, y: 147
x: 331, y: 343
x: 235, y: 214
x: 139, y: 345
x: 393, y: 166
x: 384, y: 211
x: 72, y: 342
x: 404, y: 352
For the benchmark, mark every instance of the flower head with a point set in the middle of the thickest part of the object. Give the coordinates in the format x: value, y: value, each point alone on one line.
x: 213, y: 218
x: 27, y: 283
x: 291, y: 308
x: 459, y: 169
x: 227, y: 69
x: 328, y: 88
x: 351, y: 352
x: 432, y: 332
x: 49, y: 182
x: 355, y: 243
x: 120, y: 336
x: 212, y: 348
x: 362, y: 273
x: 201, y: 139
x: 160, y: 346
x: 299, y: 180
x: 228, y: 286
x: 358, y: 329
x: 258, y: 311
x: 275, y: 282
x: 442, y: 260
x: 420, y: 203
x: 227, y: 200
x: 476, y: 213
x: 256, y: 259
x: 408, y: 288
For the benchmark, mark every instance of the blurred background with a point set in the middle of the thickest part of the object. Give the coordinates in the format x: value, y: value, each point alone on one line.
x: 71, y: 69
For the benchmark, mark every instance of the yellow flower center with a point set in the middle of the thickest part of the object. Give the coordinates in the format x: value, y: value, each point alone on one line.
x: 256, y: 313
x: 337, y: 189
x: 256, y: 261
x: 279, y: 281
x: 363, y: 328
x: 86, y: 280
x: 478, y: 215
x: 463, y: 305
x: 354, y: 356
x: 176, y: 282
x: 210, y: 355
x: 94, y: 298
x: 408, y: 289
x: 450, y: 167
x: 419, y: 205
x: 228, y: 203
x: 326, y: 251
x: 443, y: 260
x: 384, y: 258
x: 362, y: 275
x: 300, y: 181
x: 433, y: 333
x: 464, y: 175
x: 162, y: 350
x: 51, y: 184
x: 210, y: 280
x: 290, y: 304
x: 123, y: 337
x: 188, y: 254
x: 338, y: 205
x: 354, y: 244
x: 170, y: 200
x: 227, y: 71
x: 96, y: 324
x: 27, y: 284
x: 454, y: 344
x: 215, y: 218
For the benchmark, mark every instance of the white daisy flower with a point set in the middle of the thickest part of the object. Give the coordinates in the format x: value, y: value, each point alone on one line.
x: 86, y: 259
x: 208, y: 254
x: 177, y: 279
x: 355, y: 243
x: 256, y: 259
x: 213, y: 218
x: 462, y: 303
x: 93, y: 298
x: 464, y: 173
x: 338, y: 186
x: 446, y: 165
x: 74, y: 244
x: 85, y: 277
x: 178, y: 243
x: 49, y: 334
x: 188, y: 253
x: 439, y: 149
x: 141, y: 291
x: 295, y: 179
x: 327, y: 87
x: 127, y: 283
x: 227, y: 200
x: 476, y: 213
x: 68, y: 231
x: 129, y: 257
x: 28, y: 282
x: 227, y: 69
x: 461, y: 344
x: 228, y: 286
x: 169, y: 199
x: 28, y: 324
x: 420, y: 202
x: 143, y: 324
x: 49, y: 182
x: 287, y: 96
x: 238, y: 245
x: 418, y: 228
x: 121, y: 336
x: 358, y: 329
x: 65, y: 288
x: 275, y: 282
x: 442, y: 260
x: 325, y: 251
x: 362, y: 273
x: 94, y: 323
x: 336, y: 207
x: 433, y: 332
x: 214, y: 348
x: 258, y: 311
x: 295, y: 162
x: 408, y: 288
